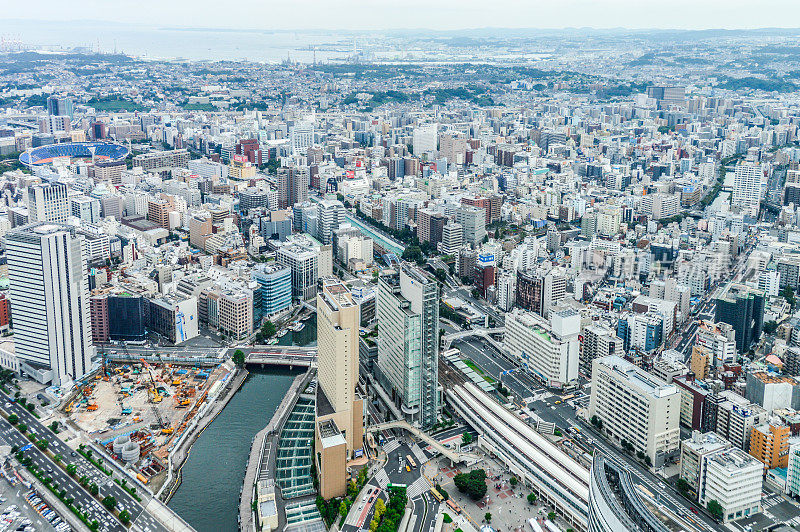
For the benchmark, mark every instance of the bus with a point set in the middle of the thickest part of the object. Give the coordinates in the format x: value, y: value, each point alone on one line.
x: 411, y: 461
x: 390, y: 486
x: 453, y: 506
x: 438, y: 495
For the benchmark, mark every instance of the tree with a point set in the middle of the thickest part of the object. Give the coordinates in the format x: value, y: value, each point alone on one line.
x: 788, y: 295
x: 682, y: 485
x: 13, y: 419
x: 42, y: 444
x: 72, y: 469
x: 125, y: 517
x: 94, y: 489
x: 268, y: 329
x: 238, y: 358
x: 343, y: 509
x: 715, y: 509
x: 53, y: 426
x: 440, y: 274
x: 551, y: 516
x: 109, y: 502
x: 513, y: 481
x: 466, y: 438
x: 488, y: 517
x: 31, y: 407
x: 531, y: 498
x: 472, y: 484
x: 770, y: 326
x: 22, y: 427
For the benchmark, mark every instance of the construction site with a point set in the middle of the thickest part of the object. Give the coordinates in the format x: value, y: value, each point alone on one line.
x: 138, y: 410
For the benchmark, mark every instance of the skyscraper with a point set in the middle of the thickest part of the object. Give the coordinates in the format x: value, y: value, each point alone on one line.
x: 407, y: 309
x: 59, y: 106
x: 339, y: 411
x: 50, y: 301
x: 749, y: 185
x: 742, y: 307
x: 292, y: 186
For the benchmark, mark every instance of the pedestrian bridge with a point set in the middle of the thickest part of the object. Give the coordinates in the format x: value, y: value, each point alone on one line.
x: 477, y: 331
x: 454, y: 456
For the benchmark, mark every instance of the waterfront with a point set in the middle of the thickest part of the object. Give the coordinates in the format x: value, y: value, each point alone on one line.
x: 208, y: 497
x: 306, y: 338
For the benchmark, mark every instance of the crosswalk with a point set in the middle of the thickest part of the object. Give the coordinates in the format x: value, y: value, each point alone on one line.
x: 382, y: 479
x: 417, y: 488
x: 390, y: 446
x: 418, y: 454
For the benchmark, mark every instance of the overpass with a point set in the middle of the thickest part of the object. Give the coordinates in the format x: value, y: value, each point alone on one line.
x: 477, y: 331
x: 454, y: 456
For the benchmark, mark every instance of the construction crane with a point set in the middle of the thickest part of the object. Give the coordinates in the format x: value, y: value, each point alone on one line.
x: 154, y: 395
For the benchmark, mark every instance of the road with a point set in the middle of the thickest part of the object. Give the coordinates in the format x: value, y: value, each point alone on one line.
x: 424, y: 506
x: 48, y: 468
x: 125, y: 501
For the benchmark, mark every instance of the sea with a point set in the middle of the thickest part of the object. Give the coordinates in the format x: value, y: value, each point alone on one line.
x: 173, y: 43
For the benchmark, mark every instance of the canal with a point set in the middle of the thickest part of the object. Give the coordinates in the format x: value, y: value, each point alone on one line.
x: 208, y: 497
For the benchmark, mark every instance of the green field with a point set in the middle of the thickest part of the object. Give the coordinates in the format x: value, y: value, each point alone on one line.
x: 117, y: 105
x: 478, y: 370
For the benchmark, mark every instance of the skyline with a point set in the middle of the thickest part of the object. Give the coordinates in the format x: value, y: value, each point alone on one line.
x: 447, y: 15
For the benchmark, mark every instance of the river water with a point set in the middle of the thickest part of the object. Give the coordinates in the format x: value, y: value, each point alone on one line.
x: 208, y: 497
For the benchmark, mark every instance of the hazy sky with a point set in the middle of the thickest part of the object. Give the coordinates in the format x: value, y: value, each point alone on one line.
x: 435, y: 14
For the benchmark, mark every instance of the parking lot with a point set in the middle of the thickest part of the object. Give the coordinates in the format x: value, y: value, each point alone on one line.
x: 15, y: 507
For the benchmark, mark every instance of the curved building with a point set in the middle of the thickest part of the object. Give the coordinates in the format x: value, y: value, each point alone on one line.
x: 614, y: 503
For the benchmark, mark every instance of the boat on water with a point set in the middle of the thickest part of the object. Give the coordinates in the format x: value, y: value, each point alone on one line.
x: 299, y: 327
x: 282, y: 333
x: 272, y: 341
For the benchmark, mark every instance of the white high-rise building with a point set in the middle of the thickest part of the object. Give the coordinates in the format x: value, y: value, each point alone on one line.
x: 749, y: 185
x: 330, y: 215
x: 50, y: 302
x: 48, y: 202
x: 452, y: 238
x: 548, y: 349
x: 636, y: 407
x: 425, y: 139
x: 302, y: 137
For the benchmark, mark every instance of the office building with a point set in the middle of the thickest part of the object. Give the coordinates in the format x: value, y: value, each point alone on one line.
x: 694, y: 454
x: 48, y: 202
x: 50, y: 302
x: 330, y: 215
x: 636, y: 407
x: 452, y: 238
x: 549, y: 350
x: 161, y: 161
x: 407, y: 309
x: 742, y: 307
x: 793, y: 468
x: 86, y: 208
x: 473, y: 223
x: 598, y: 341
x: 337, y: 405
x: 719, y: 340
x: 749, y: 187
x: 303, y: 260
x: 60, y: 106
x: 734, y: 480
x: 274, y: 286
